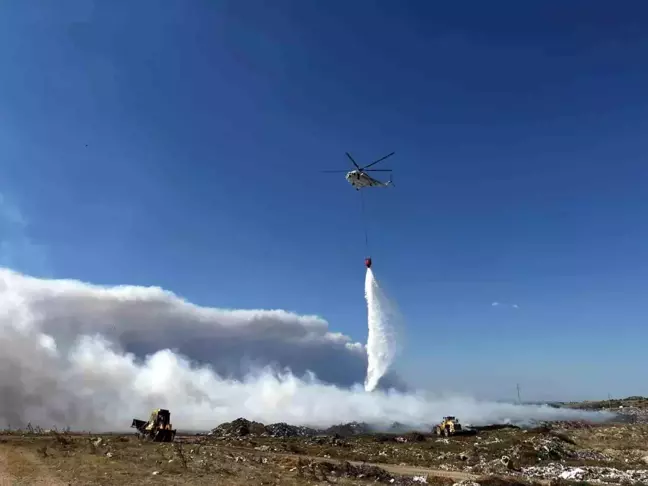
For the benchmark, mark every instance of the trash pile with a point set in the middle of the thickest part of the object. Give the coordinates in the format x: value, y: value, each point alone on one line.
x: 242, y: 427
x: 327, y: 440
x: 283, y: 429
x: 326, y: 471
x: 627, y: 410
x: 348, y: 429
x: 616, y: 443
x: 238, y: 428
x: 536, y: 449
x: 544, y: 448
x: 587, y: 473
x: 632, y: 415
x: 551, y: 451
x: 566, y: 425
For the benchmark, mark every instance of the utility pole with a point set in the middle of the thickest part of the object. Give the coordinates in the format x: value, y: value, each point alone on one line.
x: 518, y: 393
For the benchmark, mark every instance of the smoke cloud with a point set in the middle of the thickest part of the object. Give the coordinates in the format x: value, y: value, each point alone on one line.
x: 91, y: 357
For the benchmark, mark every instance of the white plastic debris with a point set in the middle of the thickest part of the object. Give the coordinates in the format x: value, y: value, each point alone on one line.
x: 576, y: 473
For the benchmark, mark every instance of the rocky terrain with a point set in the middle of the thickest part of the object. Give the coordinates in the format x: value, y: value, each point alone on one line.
x: 246, y: 452
x: 631, y: 409
x: 603, y: 453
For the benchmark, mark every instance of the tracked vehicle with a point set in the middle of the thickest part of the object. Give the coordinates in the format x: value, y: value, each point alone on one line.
x: 158, y: 428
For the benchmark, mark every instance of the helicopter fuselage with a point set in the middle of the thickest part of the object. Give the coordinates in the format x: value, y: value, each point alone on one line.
x: 360, y: 179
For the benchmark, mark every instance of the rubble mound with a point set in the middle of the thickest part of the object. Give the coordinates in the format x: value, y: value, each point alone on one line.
x: 239, y: 428
x: 544, y: 448
x: 385, y: 438
x: 329, y: 440
x: 401, y: 428
x: 568, y: 424
x: 632, y: 415
x: 413, y: 437
x: 283, y: 429
x: 242, y: 427
x: 490, y: 427
x: 349, y: 429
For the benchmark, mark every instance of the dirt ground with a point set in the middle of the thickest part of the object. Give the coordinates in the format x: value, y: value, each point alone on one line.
x: 68, y: 459
x: 491, y: 457
x: 249, y: 453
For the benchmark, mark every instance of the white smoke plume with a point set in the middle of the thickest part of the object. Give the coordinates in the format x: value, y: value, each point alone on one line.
x: 381, y: 341
x: 90, y: 357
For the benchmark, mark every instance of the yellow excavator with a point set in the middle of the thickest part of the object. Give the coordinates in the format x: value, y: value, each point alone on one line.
x: 158, y: 428
x: 449, y: 426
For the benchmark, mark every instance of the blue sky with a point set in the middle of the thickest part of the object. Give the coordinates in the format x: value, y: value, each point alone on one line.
x: 179, y: 143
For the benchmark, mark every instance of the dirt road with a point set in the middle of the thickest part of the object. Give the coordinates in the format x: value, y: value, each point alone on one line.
x: 5, y: 477
x: 20, y: 467
x: 392, y: 468
x: 404, y: 470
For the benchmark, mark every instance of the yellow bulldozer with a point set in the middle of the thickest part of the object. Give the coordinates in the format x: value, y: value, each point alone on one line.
x: 449, y: 426
x: 158, y: 428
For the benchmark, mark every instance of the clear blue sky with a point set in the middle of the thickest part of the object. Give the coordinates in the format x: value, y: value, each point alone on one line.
x: 178, y: 144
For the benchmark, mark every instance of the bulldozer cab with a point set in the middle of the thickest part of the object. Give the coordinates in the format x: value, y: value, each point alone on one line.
x: 449, y: 426
x: 160, y: 419
x: 158, y: 428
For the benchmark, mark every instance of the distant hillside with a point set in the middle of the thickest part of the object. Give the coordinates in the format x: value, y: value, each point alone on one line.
x: 634, y: 401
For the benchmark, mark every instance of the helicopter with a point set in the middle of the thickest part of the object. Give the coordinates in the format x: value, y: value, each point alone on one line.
x: 359, y: 178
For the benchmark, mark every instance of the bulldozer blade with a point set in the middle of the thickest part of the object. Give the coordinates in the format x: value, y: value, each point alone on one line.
x: 138, y: 424
x: 164, y: 435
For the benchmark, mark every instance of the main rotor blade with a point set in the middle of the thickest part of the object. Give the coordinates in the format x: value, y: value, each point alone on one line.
x: 329, y: 171
x: 377, y: 170
x: 379, y: 160
x: 351, y: 158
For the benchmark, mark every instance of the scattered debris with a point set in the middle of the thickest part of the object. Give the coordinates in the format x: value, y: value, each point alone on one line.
x: 346, y: 470
x: 284, y: 430
x: 349, y: 429
x: 560, y: 453
x: 587, y: 473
